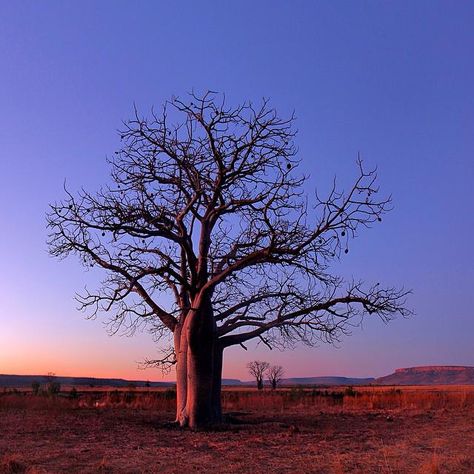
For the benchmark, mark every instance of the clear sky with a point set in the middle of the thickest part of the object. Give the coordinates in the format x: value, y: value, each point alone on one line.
x: 393, y: 80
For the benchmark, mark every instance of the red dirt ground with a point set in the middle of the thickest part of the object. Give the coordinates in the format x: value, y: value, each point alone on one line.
x: 59, y: 438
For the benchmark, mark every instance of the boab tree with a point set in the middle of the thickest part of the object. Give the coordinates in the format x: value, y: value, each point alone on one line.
x: 275, y: 374
x: 204, y: 231
x: 257, y: 369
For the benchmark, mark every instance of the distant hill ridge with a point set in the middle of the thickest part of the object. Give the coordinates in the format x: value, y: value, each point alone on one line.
x: 21, y: 381
x: 423, y: 375
x: 24, y: 381
x: 430, y: 368
x: 327, y: 381
x: 430, y: 375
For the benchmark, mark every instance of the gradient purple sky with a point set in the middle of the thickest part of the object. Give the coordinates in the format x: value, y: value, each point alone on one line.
x: 393, y: 80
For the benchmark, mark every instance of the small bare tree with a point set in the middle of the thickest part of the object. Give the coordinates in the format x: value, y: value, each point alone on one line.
x: 257, y: 369
x: 205, y: 233
x: 274, y: 375
x: 35, y: 387
x: 52, y: 386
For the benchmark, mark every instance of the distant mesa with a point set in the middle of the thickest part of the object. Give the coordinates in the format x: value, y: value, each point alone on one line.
x: 430, y: 375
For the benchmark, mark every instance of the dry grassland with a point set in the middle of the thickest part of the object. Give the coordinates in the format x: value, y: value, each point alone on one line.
x: 361, y: 430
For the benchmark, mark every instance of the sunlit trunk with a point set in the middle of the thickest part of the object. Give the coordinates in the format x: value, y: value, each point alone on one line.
x: 181, y: 350
x: 198, y: 370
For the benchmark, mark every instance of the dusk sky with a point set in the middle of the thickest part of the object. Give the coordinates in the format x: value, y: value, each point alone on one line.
x: 391, y: 80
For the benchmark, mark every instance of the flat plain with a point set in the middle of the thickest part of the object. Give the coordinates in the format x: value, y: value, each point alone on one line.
x: 294, y: 430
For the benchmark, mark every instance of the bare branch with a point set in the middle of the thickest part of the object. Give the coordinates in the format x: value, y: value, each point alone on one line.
x: 206, y: 214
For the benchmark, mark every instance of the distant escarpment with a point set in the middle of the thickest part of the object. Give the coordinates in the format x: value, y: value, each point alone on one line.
x: 430, y: 375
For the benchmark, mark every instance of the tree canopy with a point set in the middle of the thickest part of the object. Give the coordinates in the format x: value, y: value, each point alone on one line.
x: 206, y: 213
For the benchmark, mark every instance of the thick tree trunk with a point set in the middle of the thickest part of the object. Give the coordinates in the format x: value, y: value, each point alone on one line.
x: 199, y: 371
x: 200, y: 381
x: 181, y: 351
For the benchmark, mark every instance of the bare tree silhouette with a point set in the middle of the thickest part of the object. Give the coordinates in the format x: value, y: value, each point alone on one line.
x: 275, y: 374
x: 205, y: 232
x: 257, y: 370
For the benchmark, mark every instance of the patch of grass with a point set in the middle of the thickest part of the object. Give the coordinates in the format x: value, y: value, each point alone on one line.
x: 280, y: 400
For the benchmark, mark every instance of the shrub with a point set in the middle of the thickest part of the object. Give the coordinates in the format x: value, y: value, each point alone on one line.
x: 53, y: 388
x: 35, y: 386
x: 350, y: 392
